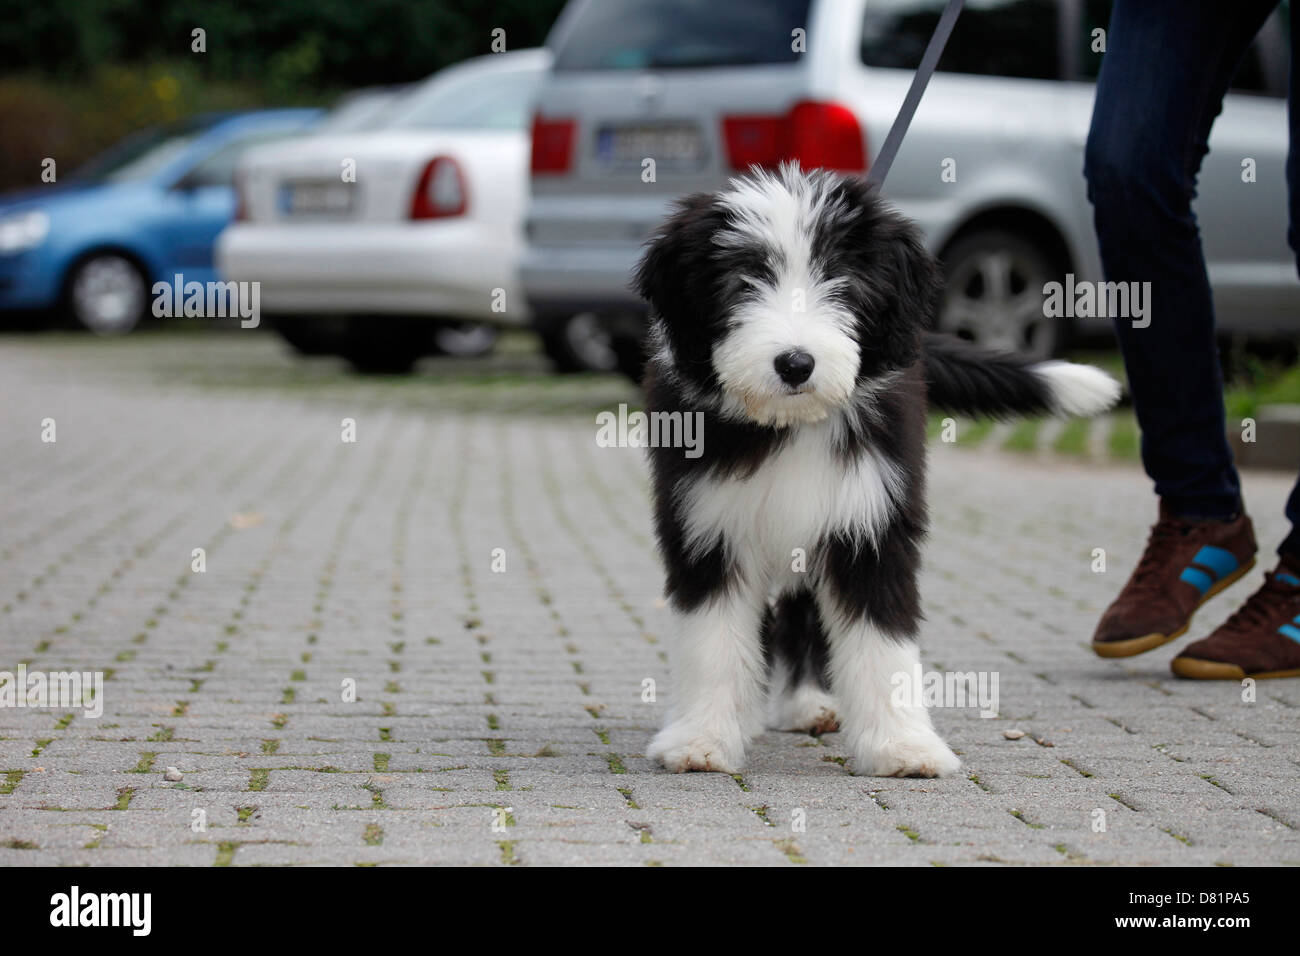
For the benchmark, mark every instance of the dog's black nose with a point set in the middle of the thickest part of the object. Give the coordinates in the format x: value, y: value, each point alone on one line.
x: 794, y: 366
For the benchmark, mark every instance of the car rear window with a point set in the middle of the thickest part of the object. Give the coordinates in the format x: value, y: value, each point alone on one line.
x: 482, y: 100
x: 682, y: 34
x: 1018, y: 38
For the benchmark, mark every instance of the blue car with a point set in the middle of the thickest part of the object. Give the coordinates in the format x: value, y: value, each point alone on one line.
x: 145, y: 210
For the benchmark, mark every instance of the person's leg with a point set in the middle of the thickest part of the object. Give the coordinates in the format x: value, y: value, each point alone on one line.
x: 1166, y: 68
x: 1291, y: 543
x: 1260, y: 639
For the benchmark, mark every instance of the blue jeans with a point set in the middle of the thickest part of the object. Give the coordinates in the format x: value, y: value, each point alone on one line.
x: 1167, y: 66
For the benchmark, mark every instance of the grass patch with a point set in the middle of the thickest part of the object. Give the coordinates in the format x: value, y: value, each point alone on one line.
x: 1021, y: 817
x: 791, y: 850
x: 973, y: 433
x: 1123, y: 441
x: 146, y: 763
x: 1261, y: 384
x: 1073, y: 439
x: 376, y: 796
x: 1024, y: 437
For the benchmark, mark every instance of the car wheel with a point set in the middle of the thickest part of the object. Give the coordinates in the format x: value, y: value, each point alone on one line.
x: 580, y: 343
x: 107, y: 293
x: 464, y: 339
x: 384, y: 345
x: 994, y: 295
x: 310, y: 335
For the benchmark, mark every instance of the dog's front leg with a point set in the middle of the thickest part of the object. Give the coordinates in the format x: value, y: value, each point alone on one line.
x: 717, y: 693
x: 871, y: 615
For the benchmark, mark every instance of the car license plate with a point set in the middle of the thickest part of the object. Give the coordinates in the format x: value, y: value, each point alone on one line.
x: 317, y: 198
x: 675, y: 145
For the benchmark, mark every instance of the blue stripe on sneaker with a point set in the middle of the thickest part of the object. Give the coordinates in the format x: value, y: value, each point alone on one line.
x: 1288, y: 631
x: 1221, y: 562
x: 1197, y: 579
x: 1290, y: 579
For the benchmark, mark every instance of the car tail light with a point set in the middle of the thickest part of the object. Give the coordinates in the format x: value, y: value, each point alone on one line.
x: 440, y: 191
x: 552, y: 144
x: 818, y: 135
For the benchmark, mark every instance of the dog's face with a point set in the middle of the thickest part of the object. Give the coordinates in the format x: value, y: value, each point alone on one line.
x: 784, y: 295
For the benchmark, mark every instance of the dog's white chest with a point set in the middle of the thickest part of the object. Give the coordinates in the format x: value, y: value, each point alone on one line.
x: 793, y: 501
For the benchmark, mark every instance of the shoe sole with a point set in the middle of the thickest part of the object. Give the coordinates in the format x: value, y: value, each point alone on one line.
x: 1148, y: 642
x: 1193, y: 668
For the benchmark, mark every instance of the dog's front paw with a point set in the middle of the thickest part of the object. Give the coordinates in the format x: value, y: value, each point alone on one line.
x: 682, y: 747
x: 920, y: 755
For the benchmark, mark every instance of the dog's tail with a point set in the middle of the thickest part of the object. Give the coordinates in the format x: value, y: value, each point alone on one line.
x: 978, y: 382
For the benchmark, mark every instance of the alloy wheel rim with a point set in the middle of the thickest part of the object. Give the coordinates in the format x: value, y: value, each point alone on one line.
x: 591, y: 342
x: 108, y: 295
x: 466, y: 339
x: 994, y: 298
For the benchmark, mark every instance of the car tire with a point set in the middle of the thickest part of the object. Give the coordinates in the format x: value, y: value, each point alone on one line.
x: 993, y: 294
x: 463, y: 339
x: 579, y: 343
x: 107, y: 293
x: 384, y: 345
x: 311, y: 335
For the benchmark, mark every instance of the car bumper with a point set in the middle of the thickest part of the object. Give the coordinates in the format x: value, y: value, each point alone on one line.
x: 458, y: 270
x: 27, y: 281
x: 581, y: 278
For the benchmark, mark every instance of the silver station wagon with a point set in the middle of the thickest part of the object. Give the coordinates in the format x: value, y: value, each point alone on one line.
x: 653, y: 99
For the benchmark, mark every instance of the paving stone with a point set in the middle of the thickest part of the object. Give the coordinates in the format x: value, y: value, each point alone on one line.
x: 350, y: 682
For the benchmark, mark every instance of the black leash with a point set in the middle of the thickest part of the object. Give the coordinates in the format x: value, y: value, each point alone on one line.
x: 885, y: 158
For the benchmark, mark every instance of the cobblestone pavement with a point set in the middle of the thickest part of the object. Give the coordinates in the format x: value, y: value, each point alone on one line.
x: 499, y: 716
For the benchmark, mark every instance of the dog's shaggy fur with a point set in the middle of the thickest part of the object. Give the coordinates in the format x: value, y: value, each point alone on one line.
x: 790, y: 310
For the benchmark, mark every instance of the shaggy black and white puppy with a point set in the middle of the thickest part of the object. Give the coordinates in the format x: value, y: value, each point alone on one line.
x: 790, y: 310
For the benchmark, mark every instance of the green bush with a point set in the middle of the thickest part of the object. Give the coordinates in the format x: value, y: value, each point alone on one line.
x: 71, y: 122
x: 78, y: 75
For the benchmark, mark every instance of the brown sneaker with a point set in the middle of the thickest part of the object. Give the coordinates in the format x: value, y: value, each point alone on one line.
x: 1261, y: 640
x: 1185, y: 564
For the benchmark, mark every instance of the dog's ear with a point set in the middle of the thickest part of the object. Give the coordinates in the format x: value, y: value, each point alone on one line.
x: 895, y: 285
x: 679, y: 277
x: 675, y: 252
x: 918, y: 291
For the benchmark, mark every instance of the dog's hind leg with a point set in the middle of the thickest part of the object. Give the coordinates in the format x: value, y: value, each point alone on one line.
x: 797, y: 655
x: 717, y: 691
